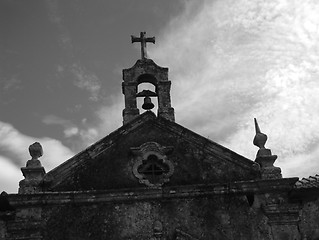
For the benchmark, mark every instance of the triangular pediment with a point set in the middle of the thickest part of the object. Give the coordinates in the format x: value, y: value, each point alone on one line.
x: 150, y: 151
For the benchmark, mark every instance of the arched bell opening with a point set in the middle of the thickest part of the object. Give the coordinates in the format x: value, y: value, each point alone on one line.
x: 146, y: 86
x: 146, y: 97
x: 147, y: 78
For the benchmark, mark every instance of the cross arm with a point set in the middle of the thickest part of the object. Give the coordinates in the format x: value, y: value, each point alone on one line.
x: 150, y: 39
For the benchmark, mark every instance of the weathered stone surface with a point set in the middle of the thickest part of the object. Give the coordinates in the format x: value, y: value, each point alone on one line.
x: 309, y: 222
x: 224, y: 217
x: 207, y: 211
x: 2, y: 230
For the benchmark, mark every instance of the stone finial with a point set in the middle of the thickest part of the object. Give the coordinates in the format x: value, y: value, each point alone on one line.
x: 33, y: 172
x: 35, y: 150
x: 260, y: 141
x: 260, y: 138
x: 264, y: 156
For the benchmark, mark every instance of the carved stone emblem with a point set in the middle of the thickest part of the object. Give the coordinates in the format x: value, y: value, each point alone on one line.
x: 152, y: 167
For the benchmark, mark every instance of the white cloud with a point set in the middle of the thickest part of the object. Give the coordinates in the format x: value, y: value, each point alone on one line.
x: 70, y: 129
x: 89, y: 135
x: 236, y: 60
x: 110, y: 115
x: 69, y: 132
x: 55, y: 120
x: 78, y: 136
x: 87, y: 81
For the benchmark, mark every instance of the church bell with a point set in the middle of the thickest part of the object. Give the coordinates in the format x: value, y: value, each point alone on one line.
x: 147, y: 105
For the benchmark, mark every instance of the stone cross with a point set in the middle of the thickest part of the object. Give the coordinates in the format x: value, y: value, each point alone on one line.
x: 143, y: 40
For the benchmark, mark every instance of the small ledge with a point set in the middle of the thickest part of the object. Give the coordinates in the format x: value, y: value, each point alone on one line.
x: 141, y: 194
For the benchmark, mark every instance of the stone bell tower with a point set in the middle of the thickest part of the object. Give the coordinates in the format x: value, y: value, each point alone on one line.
x: 146, y: 71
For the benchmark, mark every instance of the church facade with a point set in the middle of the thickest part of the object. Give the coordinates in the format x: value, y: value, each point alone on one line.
x: 155, y: 179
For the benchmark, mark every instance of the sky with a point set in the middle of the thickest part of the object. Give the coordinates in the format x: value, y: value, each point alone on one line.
x: 229, y: 61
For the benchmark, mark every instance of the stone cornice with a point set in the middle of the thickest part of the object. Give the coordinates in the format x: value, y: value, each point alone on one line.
x: 142, y: 194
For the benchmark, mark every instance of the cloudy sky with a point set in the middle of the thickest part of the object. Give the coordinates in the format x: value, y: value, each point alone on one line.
x: 229, y: 61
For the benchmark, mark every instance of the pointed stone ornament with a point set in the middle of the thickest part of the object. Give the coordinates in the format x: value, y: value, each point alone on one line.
x: 264, y: 156
x: 260, y: 138
x: 33, y: 172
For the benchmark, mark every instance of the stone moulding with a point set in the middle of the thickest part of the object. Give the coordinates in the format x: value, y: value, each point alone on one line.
x: 282, y: 214
x: 144, y: 194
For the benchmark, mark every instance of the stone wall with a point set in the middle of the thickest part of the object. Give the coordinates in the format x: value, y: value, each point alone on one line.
x: 241, y: 210
x: 228, y: 217
x: 309, y: 216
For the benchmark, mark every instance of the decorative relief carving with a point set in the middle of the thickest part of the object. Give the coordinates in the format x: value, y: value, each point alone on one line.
x: 152, y: 167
